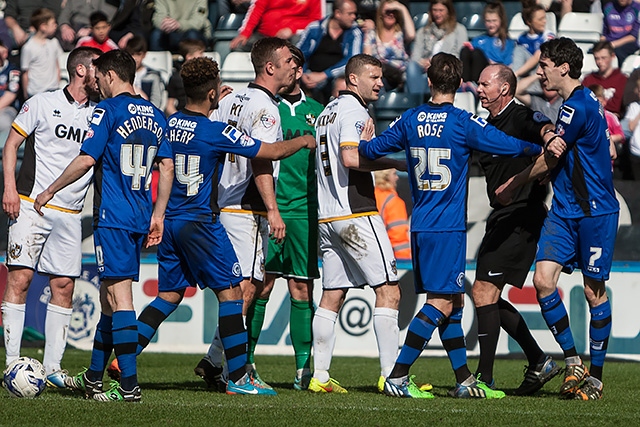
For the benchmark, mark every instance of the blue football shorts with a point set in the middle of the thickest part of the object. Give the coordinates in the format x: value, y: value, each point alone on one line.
x: 586, y: 243
x: 199, y: 253
x: 439, y: 261
x: 118, y: 253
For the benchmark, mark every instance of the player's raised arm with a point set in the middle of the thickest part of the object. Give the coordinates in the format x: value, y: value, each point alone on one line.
x: 282, y: 149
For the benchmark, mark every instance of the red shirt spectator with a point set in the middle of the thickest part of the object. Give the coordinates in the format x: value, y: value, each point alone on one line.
x: 280, y: 18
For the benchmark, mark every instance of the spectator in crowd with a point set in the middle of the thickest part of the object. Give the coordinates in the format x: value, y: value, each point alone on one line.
x: 616, y: 134
x: 388, y: 41
x: 493, y: 47
x: 148, y: 82
x: 174, y: 21
x: 393, y: 211
x: 133, y: 18
x: 75, y: 19
x: 17, y: 16
x: 177, y: 98
x: 284, y: 19
x: 621, y: 26
x: 633, y: 118
x: 99, y: 37
x: 327, y: 45
x: 39, y: 57
x: 9, y: 87
x: 339, y: 84
x: 611, y: 79
x: 535, y: 18
x: 548, y: 102
x: 441, y: 34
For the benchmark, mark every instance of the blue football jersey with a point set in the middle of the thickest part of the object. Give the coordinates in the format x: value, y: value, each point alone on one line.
x: 438, y: 139
x: 125, y: 136
x: 199, y: 146
x: 583, y: 181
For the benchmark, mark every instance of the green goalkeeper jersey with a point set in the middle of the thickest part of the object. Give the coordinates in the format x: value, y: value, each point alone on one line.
x: 297, y: 191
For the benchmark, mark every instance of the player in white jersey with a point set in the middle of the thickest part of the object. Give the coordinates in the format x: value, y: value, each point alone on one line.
x: 54, y: 125
x: 246, y: 192
x: 355, y: 247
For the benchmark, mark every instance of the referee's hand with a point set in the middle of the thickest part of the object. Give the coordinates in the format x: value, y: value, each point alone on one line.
x: 42, y: 199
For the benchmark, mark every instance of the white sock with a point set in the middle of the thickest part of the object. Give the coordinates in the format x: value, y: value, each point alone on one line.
x: 324, y: 339
x: 56, y: 325
x: 13, y: 322
x: 385, y: 326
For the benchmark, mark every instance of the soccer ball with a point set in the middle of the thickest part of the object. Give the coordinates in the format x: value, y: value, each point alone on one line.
x: 25, y: 377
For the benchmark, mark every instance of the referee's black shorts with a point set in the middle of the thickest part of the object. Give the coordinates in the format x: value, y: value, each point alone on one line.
x: 509, y: 245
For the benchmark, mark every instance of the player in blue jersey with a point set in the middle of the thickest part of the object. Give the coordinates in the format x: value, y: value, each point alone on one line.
x: 438, y: 138
x: 125, y: 138
x: 581, y: 228
x: 195, y: 248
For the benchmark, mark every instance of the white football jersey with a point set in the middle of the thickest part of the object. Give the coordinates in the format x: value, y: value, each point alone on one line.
x: 342, y: 192
x: 254, y: 111
x: 55, y: 126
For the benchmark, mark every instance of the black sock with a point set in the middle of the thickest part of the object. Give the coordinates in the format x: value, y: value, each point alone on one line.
x: 488, y: 334
x: 513, y: 323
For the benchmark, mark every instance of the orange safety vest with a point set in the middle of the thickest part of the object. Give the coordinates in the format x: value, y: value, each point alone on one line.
x: 393, y: 211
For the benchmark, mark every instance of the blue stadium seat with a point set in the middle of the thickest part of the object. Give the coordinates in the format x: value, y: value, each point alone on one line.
x: 391, y: 105
x: 226, y: 30
x: 420, y: 20
x: 469, y: 14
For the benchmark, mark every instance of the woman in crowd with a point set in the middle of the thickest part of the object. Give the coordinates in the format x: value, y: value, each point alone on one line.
x: 441, y: 34
x: 388, y: 41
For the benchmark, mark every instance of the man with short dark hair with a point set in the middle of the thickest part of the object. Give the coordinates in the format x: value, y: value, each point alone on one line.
x: 246, y: 190
x: 125, y: 138
x: 53, y: 124
x: 581, y: 227
x: 354, y: 244
x: 437, y: 138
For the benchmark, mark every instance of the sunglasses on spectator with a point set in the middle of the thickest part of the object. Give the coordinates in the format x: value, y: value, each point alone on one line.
x: 389, y: 12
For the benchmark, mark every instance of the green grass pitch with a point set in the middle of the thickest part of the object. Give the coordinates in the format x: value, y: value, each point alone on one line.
x: 173, y: 396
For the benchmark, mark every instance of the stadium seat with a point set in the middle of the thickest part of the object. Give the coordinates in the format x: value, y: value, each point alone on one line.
x: 226, y: 30
x: 466, y: 101
x: 64, y: 74
x: 517, y: 25
x: 631, y: 63
x: 237, y: 70
x: 470, y: 15
x: 391, y: 105
x: 421, y: 20
x: 417, y: 8
x: 215, y: 56
x: 481, y: 111
x: 160, y: 61
x: 581, y: 27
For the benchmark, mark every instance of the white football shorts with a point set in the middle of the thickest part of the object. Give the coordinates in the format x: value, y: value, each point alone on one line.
x: 249, y: 234
x: 356, y: 252
x: 49, y: 244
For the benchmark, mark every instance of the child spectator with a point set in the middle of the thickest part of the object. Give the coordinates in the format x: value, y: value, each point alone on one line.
x: 189, y: 49
x: 148, y: 82
x: 9, y: 87
x: 39, y: 57
x: 536, y: 19
x: 99, y: 37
